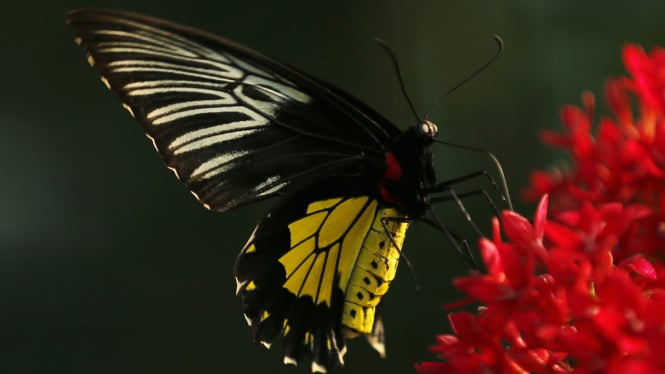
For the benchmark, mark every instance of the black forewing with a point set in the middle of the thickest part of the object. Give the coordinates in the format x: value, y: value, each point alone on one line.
x: 234, y: 125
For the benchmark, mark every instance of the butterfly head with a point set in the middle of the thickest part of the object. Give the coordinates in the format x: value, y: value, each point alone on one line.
x: 427, y: 129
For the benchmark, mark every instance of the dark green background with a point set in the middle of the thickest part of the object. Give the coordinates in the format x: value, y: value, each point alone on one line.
x: 108, y: 265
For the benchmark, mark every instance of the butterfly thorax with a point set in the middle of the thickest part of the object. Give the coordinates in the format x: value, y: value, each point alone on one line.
x: 409, y: 171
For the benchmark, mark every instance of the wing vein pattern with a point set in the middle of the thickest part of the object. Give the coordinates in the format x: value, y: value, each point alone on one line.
x: 224, y: 117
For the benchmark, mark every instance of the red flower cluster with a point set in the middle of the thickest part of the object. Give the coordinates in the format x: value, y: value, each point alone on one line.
x: 582, y: 290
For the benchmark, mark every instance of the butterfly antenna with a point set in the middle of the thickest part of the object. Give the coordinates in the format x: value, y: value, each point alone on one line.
x: 393, y: 58
x: 499, y: 49
x: 497, y: 165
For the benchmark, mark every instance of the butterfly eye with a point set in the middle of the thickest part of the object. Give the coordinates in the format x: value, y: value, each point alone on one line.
x: 428, y: 129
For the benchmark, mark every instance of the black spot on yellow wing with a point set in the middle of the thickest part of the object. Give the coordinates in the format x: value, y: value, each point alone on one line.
x: 316, y: 275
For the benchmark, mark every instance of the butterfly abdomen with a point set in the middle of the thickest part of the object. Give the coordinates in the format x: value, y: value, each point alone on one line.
x: 373, y: 271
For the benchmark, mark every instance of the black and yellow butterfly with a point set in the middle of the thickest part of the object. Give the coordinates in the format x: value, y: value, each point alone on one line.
x: 236, y: 127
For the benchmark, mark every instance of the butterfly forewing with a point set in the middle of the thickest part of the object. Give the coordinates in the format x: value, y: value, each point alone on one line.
x: 234, y: 126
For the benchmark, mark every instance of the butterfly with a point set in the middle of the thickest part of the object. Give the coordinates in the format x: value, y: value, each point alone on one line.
x: 236, y: 127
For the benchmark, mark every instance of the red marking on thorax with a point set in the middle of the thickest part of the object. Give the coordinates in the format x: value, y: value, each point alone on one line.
x: 393, y: 173
x: 386, y: 195
x: 393, y: 168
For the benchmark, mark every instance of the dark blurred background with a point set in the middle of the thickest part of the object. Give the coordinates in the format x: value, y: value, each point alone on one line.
x: 108, y: 265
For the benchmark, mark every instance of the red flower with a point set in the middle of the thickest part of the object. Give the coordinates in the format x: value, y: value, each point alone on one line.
x: 625, y: 160
x: 580, y: 290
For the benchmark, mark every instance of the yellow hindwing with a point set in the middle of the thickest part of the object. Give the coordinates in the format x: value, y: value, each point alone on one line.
x: 352, y: 241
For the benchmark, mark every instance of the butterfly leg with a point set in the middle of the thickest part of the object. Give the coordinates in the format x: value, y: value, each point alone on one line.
x: 447, y: 185
x: 384, y: 223
x: 460, y: 243
x: 451, y: 195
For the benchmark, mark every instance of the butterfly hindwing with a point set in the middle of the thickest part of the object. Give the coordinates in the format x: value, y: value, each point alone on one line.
x: 235, y: 126
x: 315, y: 269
